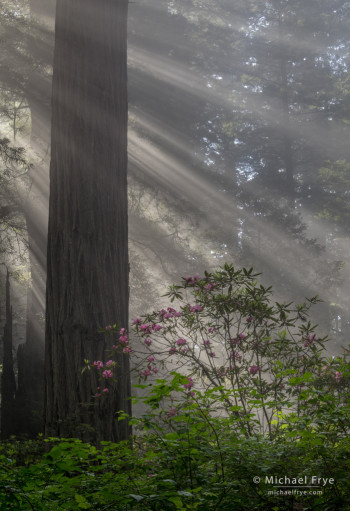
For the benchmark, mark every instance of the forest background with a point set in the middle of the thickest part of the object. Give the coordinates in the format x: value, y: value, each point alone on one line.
x: 238, y: 151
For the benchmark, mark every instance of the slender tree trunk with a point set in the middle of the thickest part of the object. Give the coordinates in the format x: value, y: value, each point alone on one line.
x: 8, y: 382
x: 287, y: 149
x: 87, y: 265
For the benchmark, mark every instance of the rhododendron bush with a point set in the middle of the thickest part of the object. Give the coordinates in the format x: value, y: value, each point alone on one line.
x: 224, y: 334
x: 238, y: 391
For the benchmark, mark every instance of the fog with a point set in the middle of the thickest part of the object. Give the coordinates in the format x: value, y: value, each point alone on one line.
x: 238, y: 147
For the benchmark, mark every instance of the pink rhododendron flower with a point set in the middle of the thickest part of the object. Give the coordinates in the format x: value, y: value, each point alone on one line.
x: 137, y: 321
x: 145, y: 328
x: 128, y: 349
x: 150, y: 359
x: 155, y: 369
x: 98, y: 364
x: 337, y: 376
x: 254, y: 369
x: 172, y: 351
x: 190, y: 384
x: 172, y: 412
x: 156, y: 327
x: 309, y: 340
x: 107, y: 374
x: 237, y: 339
x: 236, y: 356
x: 148, y: 342
x: 196, y: 308
x: 206, y: 342
x: 181, y: 342
x: 105, y: 390
x: 108, y: 328
x: 109, y: 363
x: 212, y: 354
x: 192, y: 280
x: 167, y: 315
x: 123, y: 339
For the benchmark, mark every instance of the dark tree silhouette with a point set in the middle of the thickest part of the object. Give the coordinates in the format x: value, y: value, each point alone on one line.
x: 8, y: 382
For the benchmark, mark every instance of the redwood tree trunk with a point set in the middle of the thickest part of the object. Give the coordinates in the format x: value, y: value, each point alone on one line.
x: 87, y: 265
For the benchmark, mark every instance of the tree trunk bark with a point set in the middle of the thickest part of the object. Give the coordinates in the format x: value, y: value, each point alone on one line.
x: 87, y: 265
x: 8, y: 382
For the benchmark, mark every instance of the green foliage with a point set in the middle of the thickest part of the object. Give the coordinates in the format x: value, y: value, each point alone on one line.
x: 218, y: 443
x: 228, y: 335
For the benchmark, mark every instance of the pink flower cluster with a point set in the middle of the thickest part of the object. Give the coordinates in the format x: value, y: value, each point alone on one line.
x: 337, y: 376
x: 190, y: 384
x: 195, y: 308
x: 169, y: 313
x: 181, y: 342
x: 192, y: 280
x: 237, y: 339
x: 309, y: 340
x: 123, y: 341
x: 99, y: 392
x: 145, y: 329
x: 236, y: 356
x: 254, y: 369
x: 151, y: 367
x: 222, y: 372
x: 172, y: 412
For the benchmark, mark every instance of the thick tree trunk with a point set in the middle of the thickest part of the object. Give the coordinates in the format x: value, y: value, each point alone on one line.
x: 87, y: 266
x: 8, y: 382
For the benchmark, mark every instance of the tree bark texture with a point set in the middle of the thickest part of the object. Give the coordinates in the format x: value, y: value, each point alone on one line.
x: 87, y: 265
x: 8, y: 382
